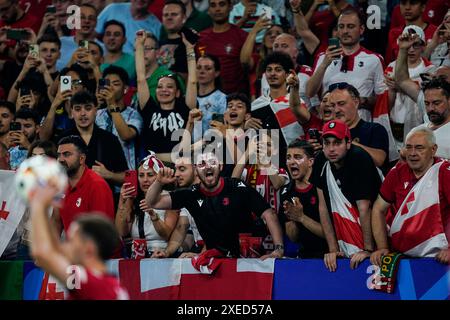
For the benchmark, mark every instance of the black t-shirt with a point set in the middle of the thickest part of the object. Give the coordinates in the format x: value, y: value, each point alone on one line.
x: 172, y: 54
x: 220, y: 216
x: 358, y: 178
x: 311, y: 246
x: 104, y: 147
x: 159, y: 125
x: 372, y: 135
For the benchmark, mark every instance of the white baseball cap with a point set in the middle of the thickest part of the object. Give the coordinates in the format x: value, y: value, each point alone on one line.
x: 415, y: 29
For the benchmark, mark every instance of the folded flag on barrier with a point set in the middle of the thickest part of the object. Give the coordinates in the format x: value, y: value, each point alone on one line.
x: 167, y: 279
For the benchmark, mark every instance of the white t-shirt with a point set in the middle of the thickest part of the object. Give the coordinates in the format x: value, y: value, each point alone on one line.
x: 405, y: 110
x: 364, y: 72
x: 154, y: 240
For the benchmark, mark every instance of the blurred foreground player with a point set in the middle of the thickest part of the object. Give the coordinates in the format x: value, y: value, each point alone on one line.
x: 80, y: 262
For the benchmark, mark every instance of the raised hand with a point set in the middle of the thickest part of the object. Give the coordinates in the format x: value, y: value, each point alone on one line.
x: 292, y: 79
x: 195, y: 115
x: 166, y: 176
x: 405, y: 41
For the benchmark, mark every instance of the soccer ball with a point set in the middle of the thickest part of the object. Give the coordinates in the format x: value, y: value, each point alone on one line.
x: 40, y: 170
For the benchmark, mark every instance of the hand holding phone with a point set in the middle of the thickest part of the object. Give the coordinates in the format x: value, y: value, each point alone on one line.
x: 84, y: 44
x: 102, y: 83
x: 34, y: 50
x: 268, y: 13
x: 15, y: 126
x: 50, y: 9
x: 17, y: 34
x: 131, y: 178
x: 217, y: 117
x: 334, y: 42
x: 314, y: 134
x: 65, y: 83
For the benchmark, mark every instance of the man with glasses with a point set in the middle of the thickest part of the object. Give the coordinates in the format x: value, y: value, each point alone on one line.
x: 432, y: 99
x: 221, y: 207
x: 88, y: 17
x: 349, y: 62
x: 419, y: 192
x: 404, y: 112
x: 412, y: 12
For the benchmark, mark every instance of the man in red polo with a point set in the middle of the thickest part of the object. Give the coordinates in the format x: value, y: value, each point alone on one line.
x: 419, y: 227
x: 87, y: 192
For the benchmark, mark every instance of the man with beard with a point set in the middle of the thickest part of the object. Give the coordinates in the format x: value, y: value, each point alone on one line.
x: 351, y: 63
x: 114, y: 40
x: 222, y: 207
x: 437, y: 104
x: 186, y: 229
x: 299, y: 209
x: 432, y: 99
x: 87, y: 191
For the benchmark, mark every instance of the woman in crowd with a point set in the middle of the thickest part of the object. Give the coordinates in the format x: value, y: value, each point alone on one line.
x: 135, y: 218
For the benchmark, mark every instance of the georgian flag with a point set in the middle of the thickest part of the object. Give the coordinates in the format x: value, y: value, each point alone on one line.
x: 290, y: 127
x: 12, y: 208
x: 169, y: 279
x: 417, y: 229
x: 380, y: 115
x: 345, y: 218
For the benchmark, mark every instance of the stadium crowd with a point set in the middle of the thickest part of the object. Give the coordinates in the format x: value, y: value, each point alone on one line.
x: 265, y: 128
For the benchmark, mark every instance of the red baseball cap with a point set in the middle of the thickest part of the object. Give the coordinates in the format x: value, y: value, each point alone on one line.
x: 337, y: 129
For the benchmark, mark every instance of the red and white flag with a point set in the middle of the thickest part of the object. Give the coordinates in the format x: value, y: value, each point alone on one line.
x: 52, y: 289
x: 345, y: 218
x: 380, y: 115
x: 417, y: 229
x: 12, y: 208
x: 170, y: 279
x: 289, y: 125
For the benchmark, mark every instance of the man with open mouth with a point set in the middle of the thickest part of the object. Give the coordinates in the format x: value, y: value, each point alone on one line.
x: 221, y: 207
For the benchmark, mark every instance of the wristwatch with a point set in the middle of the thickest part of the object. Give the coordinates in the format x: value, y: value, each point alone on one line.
x: 114, y: 109
x: 279, y: 247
